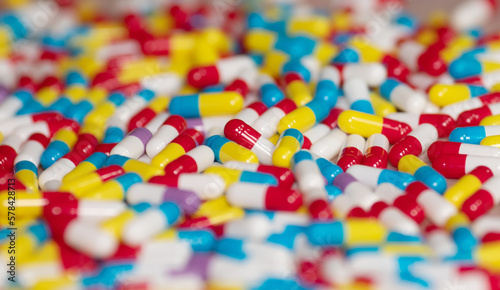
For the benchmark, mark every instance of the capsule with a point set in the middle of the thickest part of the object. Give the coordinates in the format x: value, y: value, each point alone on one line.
x: 145, y: 171
x: 296, y: 89
x: 143, y: 117
x: 403, y: 97
x: 467, y: 185
x: 415, y: 143
x: 224, y: 71
x: 351, y: 232
x: 152, y: 221
x: 358, y: 94
x: 304, y: 118
x: 472, y: 14
x: 226, y: 150
x: 231, y: 176
x: 246, y: 136
x: 482, y: 200
x: 394, y: 196
x: 375, y: 152
x: 168, y: 131
x: 394, y: 219
x: 328, y: 170
x: 206, y: 104
x: 269, y: 92
x: 267, y: 123
x: 352, y: 153
x: 468, y: 66
x: 28, y: 159
x: 426, y: 174
x: 437, y: 209
x: 457, y: 165
x: 92, y: 163
x: 375, y: 176
x: 490, y: 121
x: 289, y: 143
x: 207, y: 186
x: 445, y: 147
x: 330, y: 145
x: 195, y: 160
x: 320, y: 130
x: 353, y: 122
x: 443, y: 95
x: 284, y: 176
x: 311, y: 184
x: 183, y: 143
x: 251, y: 112
x: 134, y: 144
x: 493, y: 141
x: 475, y: 116
x: 456, y: 109
x: 327, y: 87
x: 9, y: 126
x: 257, y: 196
x: 82, y: 184
x: 209, y: 126
x: 14, y: 103
x: 474, y: 134
x: 443, y: 123
x: 459, y: 227
x: 360, y: 194
x: 113, y: 189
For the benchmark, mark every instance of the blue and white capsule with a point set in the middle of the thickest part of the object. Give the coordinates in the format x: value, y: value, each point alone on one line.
x: 402, y: 96
x: 474, y: 134
x: 269, y: 92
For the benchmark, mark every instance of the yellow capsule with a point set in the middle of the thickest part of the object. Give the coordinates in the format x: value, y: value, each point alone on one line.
x: 207, y: 104
x: 368, y: 52
x: 171, y: 152
x: 354, y: 122
x: 110, y: 190
x: 96, y: 95
x: 410, y: 164
x: 182, y: 44
x: 135, y: 70
x: 405, y: 249
x: 456, y: 221
x: 456, y: 47
x: 144, y: 170
x: 274, y: 139
x: 159, y: 104
x: 298, y: 91
x: 204, y: 54
x: 273, y: 62
x: 80, y: 186
x: 259, y: 40
x: 229, y: 175
x: 115, y: 225
x: 325, y: 51
x: 27, y: 204
x: 443, y: 95
x: 427, y: 36
x: 381, y: 107
x: 363, y: 231
x: 88, y: 65
x: 226, y: 150
x: 490, y: 121
x: 211, y: 207
x: 101, y: 113
x: 489, y: 66
x: 47, y: 95
x: 493, y: 141
x: 462, y: 190
x: 290, y: 142
x: 28, y: 178
x: 495, y: 88
x: 316, y: 26
x: 487, y: 255
x: 96, y: 129
x: 302, y: 119
x: 48, y: 252
x: 217, y: 38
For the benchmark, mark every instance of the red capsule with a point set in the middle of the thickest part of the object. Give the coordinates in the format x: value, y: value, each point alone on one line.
x: 473, y: 117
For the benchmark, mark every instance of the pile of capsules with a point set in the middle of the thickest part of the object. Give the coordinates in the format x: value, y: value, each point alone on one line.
x: 266, y: 145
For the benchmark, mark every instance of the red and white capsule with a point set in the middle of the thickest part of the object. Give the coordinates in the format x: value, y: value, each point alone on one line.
x: 240, y: 132
x: 415, y: 143
x: 473, y: 117
x: 352, y: 153
x: 457, y: 108
x: 258, y: 196
x: 376, y: 149
x: 394, y: 196
x: 196, y: 160
x: 9, y: 126
x: 267, y: 123
x: 442, y: 122
x: 447, y: 147
x: 171, y: 128
x: 487, y: 197
x: 437, y: 208
x: 320, y: 130
x: 458, y: 165
x: 252, y: 112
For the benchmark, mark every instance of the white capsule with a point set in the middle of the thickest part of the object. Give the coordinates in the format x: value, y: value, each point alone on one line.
x: 167, y: 132
x: 165, y: 84
x: 209, y: 125
x: 330, y: 145
x: 471, y: 14
x: 9, y: 125
x: 397, y: 221
x: 51, y: 178
x: 126, y: 111
x: 206, y: 186
x: 437, y: 209
x: 95, y: 211
x: 267, y: 123
x: 411, y: 119
x: 10, y: 107
x: 373, y: 74
x: 454, y: 110
x: 308, y: 175
x: 134, y: 144
x: 356, y: 89
x: 408, y: 100
x: 485, y: 224
x: 89, y: 239
x: 426, y: 134
x: 317, y: 132
x: 388, y: 192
